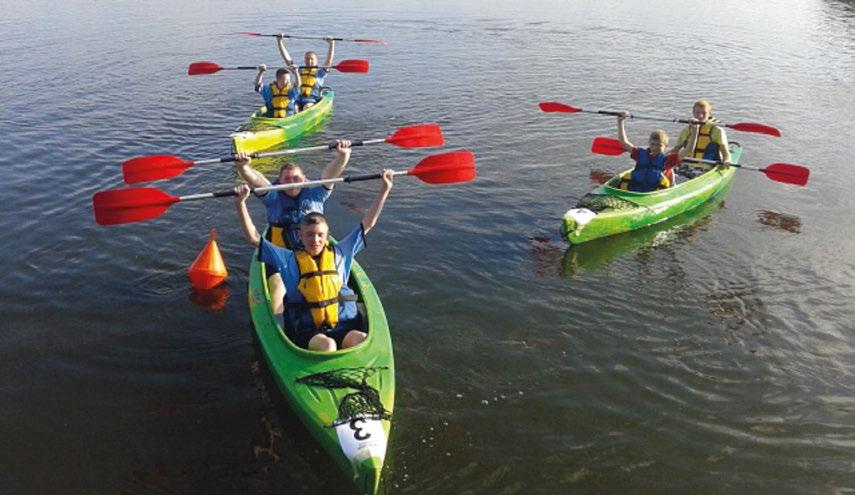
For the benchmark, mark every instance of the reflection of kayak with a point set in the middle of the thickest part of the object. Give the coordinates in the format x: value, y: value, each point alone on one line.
x: 264, y: 132
x: 599, y: 253
x: 608, y: 210
x: 344, y: 398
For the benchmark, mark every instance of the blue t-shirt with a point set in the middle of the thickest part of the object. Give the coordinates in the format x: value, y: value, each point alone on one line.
x: 286, y: 262
x: 267, y: 94
x: 316, y: 90
x: 287, y: 212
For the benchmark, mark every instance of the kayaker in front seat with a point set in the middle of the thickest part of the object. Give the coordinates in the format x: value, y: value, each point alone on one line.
x: 280, y: 96
x: 285, y: 209
x: 702, y: 138
x: 311, y: 76
x: 653, y: 167
x: 321, y: 311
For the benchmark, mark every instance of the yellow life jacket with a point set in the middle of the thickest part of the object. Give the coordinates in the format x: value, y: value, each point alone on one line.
x: 308, y: 76
x: 280, y: 100
x: 276, y: 235
x: 705, y: 141
x: 320, y: 286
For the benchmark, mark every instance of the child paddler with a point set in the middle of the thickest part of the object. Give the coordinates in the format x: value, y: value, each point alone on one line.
x: 280, y: 96
x: 311, y: 76
x: 285, y: 209
x: 702, y: 138
x: 321, y: 312
x: 653, y: 167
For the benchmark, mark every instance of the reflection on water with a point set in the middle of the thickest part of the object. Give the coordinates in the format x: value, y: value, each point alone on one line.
x: 782, y: 221
x: 214, y: 299
x: 600, y: 177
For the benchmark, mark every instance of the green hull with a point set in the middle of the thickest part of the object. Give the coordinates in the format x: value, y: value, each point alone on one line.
x: 629, y: 210
x: 262, y: 132
x: 345, y: 398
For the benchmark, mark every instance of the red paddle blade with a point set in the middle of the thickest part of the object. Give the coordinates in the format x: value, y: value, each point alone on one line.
x: 417, y: 136
x: 752, y: 127
x: 249, y: 33
x: 370, y: 41
x: 155, y: 167
x: 787, y: 173
x: 355, y: 65
x: 119, y: 206
x: 197, y: 68
x: 446, y: 168
x: 554, y: 106
x: 607, y: 146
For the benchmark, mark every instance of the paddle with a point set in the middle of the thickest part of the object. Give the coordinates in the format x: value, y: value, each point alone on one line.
x: 118, y: 206
x: 780, y: 172
x: 157, y: 167
x: 554, y: 106
x: 247, y: 33
x: 201, y: 68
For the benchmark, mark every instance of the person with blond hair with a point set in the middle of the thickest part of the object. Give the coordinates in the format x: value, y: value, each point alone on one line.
x: 703, y: 138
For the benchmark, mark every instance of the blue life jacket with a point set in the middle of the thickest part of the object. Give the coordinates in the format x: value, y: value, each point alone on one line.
x: 648, y: 172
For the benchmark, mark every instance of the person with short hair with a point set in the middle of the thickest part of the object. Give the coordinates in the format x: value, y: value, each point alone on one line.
x: 320, y: 308
x: 653, y: 166
x: 311, y: 76
x: 280, y: 96
x: 702, y: 138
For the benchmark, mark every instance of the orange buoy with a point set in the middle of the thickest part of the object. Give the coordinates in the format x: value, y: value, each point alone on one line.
x: 209, y: 269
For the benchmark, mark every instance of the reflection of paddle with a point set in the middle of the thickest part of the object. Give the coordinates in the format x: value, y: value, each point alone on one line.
x: 202, y: 68
x: 119, y: 206
x: 291, y: 36
x: 554, y: 106
x: 156, y: 167
x: 780, y: 172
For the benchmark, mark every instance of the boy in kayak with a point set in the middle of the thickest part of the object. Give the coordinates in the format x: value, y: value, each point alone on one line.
x: 702, y: 138
x: 321, y: 311
x: 280, y: 96
x: 285, y: 209
x: 311, y: 76
x: 653, y: 167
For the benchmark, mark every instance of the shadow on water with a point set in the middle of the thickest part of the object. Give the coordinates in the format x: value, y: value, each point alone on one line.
x: 599, y: 253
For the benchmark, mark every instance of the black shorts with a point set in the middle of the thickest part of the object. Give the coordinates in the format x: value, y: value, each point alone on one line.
x: 338, y: 333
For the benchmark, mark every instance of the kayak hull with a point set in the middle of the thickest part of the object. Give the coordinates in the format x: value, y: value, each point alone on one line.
x: 261, y: 133
x: 622, y: 211
x: 345, y: 399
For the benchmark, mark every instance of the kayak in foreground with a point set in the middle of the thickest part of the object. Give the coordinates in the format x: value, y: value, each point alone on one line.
x: 344, y: 398
x: 608, y: 210
x: 264, y: 132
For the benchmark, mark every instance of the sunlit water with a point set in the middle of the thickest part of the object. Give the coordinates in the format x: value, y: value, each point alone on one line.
x: 712, y: 354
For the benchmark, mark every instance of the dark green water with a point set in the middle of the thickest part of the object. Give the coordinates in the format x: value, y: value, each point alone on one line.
x: 708, y: 355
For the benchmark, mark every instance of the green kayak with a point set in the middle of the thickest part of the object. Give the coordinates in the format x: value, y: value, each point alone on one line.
x: 608, y: 210
x: 345, y: 398
x: 264, y: 132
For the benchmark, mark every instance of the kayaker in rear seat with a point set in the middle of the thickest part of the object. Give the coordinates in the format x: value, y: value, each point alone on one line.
x: 311, y: 76
x: 653, y: 167
x: 285, y: 209
x: 321, y: 312
x: 702, y: 138
x: 280, y: 96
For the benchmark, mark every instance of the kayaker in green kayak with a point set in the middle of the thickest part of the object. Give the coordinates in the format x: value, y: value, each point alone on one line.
x: 311, y: 76
x: 654, y: 168
x: 703, y: 138
x: 285, y: 209
x: 321, y: 312
x: 280, y: 96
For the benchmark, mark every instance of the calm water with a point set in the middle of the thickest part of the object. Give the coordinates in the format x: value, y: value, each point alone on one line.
x: 713, y: 354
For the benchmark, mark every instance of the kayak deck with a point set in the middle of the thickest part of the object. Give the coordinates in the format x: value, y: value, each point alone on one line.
x: 607, y: 210
x: 262, y: 132
x: 345, y: 398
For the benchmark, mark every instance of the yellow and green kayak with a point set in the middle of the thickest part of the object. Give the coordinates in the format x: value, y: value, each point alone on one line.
x: 261, y: 132
x: 344, y: 398
x: 608, y: 210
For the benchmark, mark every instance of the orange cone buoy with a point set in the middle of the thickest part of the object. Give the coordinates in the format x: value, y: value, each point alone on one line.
x: 209, y: 269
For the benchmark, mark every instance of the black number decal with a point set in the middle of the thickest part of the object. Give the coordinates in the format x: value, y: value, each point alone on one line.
x: 357, y: 431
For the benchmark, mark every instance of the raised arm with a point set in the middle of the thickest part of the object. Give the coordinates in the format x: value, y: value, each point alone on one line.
x: 373, y: 212
x: 330, y: 51
x: 621, y: 131
x: 689, y: 145
x: 250, y: 233
x: 259, y: 76
x: 280, y: 42
x: 250, y: 175
x: 295, y: 76
x: 336, y: 167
